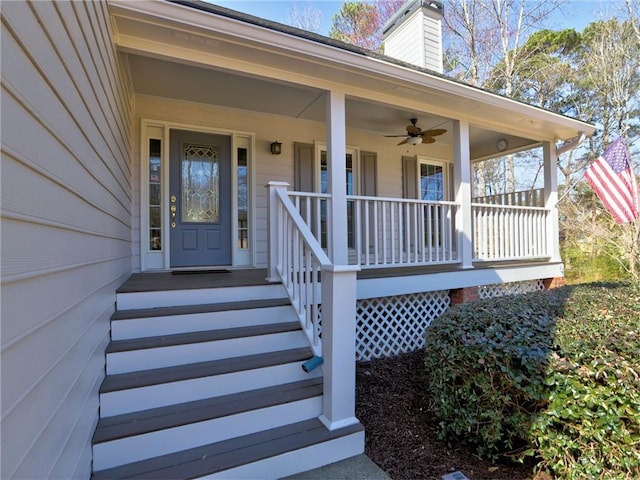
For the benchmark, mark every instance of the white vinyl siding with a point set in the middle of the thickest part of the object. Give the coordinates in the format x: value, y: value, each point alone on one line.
x: 66, y: 228
x: 418, y: 40
x: 406, y: 42
x: 432, y: 44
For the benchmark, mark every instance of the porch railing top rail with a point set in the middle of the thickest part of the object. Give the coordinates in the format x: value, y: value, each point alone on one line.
x: 509, y: 207
x: 308, y: 194
x: 523, y: 198
x: 402, y: 200
x: 379, y: 199
x: 300, y: 225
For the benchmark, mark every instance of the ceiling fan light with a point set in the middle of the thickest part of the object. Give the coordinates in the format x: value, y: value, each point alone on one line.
x: 414, y: 140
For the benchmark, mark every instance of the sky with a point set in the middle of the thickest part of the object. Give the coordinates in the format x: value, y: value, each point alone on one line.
x: 575, y: 14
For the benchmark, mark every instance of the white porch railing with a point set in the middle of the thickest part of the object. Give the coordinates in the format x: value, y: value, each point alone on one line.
x: 299, y: 261
x: 396, y: 232
x: 323, y: 295
x: 524, y: 198
x: 313, y: 208
x: 508, y: 232
x: 391, y: 232
x: 386, y: 232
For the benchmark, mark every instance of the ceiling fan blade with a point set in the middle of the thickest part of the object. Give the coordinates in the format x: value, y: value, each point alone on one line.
x: 403, y: 141
x: 434, y: 133
x: 428, y: 140
x: 390, y: 136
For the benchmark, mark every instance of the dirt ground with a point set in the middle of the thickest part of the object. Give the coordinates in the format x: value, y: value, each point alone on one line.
x: 401, y: 436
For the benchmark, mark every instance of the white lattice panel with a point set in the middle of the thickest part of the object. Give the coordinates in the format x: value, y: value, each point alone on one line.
x: 513, y: 288
x: 392, y: 325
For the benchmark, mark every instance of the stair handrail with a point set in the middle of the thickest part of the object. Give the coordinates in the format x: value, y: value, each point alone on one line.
x: 318, y: 290
x: 297, y: 259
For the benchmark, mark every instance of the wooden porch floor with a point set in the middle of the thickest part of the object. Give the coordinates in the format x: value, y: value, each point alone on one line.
x: 188, y: 280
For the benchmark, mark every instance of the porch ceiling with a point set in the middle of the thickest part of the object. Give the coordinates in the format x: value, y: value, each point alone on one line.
x: 152, y: 76
x: 162, y: 78
x: 180, y: 52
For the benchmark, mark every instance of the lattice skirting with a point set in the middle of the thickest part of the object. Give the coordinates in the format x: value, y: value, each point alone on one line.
x: 513, y: 288
x: 389, y: 326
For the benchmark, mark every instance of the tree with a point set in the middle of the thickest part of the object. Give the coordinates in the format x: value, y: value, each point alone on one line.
x: 484, y: 48
x: 610, y: 77
x: 607, y: 93
x: 590, y: 229
x: 594, y: 76
x: 306, y: 17
x: 484, y: 38
x: 360, y: 23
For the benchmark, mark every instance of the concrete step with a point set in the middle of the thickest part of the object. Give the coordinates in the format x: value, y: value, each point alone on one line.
x: 132, y: 355
x: 137, y: 436
x: 146, y: 322
x: 201, y: 296
x: 269, y: 454
x: 136, y: 391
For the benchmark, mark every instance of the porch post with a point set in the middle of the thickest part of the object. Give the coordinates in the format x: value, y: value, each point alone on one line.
x: 336, y: 167
x: 551, y: 200
x: 462, y: 186
x: 272, y: 235
x: 338, y: 345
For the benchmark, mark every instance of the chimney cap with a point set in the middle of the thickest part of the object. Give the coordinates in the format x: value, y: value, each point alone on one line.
x: 408, y: 8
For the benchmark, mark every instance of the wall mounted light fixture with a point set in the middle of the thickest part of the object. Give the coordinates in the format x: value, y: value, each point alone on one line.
x: 276, y: 148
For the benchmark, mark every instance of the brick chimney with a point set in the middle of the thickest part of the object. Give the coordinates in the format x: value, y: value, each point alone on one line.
x: 414, y: 34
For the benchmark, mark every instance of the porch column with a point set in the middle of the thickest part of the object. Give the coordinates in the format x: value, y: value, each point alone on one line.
x: 339, y: 345
x: 272, y: 234
x: 551, y: 200
x: 462, y: 186
x: 336, y: 167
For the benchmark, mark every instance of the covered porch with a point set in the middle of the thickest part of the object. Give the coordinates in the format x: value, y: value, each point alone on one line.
x: 360, y: 229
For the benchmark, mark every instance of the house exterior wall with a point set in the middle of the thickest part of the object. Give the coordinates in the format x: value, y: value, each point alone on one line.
x: 66, y: 228
x: 265, y: 129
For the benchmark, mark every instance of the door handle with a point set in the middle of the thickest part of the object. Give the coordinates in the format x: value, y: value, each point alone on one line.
x: 173, y: 209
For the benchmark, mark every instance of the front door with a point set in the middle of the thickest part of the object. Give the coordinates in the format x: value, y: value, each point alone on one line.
x: 200, y: 199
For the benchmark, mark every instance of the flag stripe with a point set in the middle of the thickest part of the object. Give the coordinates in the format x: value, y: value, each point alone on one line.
x: 613, y: 180
x: 611, y: 200
x: 611, y: 183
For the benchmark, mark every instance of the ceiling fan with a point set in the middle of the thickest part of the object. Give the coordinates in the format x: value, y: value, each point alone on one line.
x: 416, y: 135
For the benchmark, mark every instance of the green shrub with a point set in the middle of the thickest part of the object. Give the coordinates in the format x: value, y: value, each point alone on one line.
x: 554, y: 375
x: 590, y: 426
x: 487, y: 361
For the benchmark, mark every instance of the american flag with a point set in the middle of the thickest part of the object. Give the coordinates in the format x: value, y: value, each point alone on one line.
x: 613, y: 180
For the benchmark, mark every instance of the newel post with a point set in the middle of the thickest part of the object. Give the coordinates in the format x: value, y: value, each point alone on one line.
x: 272, y: 221
x: 339, y: 345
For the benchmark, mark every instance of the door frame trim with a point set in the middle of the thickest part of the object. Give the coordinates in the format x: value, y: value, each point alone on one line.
x: 152, y: 129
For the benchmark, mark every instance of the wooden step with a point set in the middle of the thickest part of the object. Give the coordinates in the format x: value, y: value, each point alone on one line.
x: 129, y: 392
x: 195, y: 309
x: 140, y: 323
x: 197, y: 337
x: 172, y: 298
x: 135, y: 436
x: 178, y: 349
x: 234, y: 458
